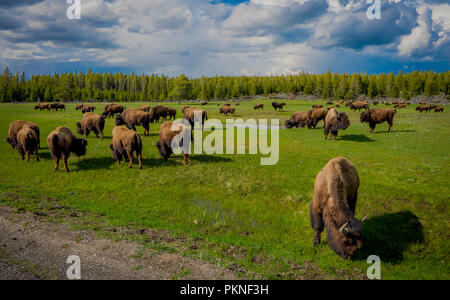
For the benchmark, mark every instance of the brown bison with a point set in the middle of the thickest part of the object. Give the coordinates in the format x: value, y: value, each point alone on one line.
x: 57, y: 106
x: 187, y: 106
x: 145, y: 108
x: 162, y: 112
x: 169, y: 130
x: 91, y: 122
x: 432, y: 106
x: 278, y: 105
x: 358, y: 105
x: 133, y: 117
x: 348, y: 103
x: 400, y: 105
x: 298, y: 119
x: 62, y: 142
x: 329, y: 102
x: 124, y: 143
x: 191, y: 113
x: 439, y: 109
x: 375, y: 102
x: 335, y: 121
x: 317, y: 106
x: 204, y: 103
x: 422, y: 108
x: 14, y: 129
x: 316, y: 115
x: 333, y: 207
x: 42, y: 106
x: 112, y: 109
x: 258, y: 106
x: 78, y: 106
x: 27, y: 142
x: 87, y: 109
x: 375, y: 116
x: 227, y: 110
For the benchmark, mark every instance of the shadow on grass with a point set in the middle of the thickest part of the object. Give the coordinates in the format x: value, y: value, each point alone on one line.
x: 209, y: 159
x: 94, y: 163
x: 394, y: 131
x: 361, y: 138
x: 389, y: 235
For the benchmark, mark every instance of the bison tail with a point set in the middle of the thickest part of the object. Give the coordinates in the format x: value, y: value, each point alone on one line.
x: 138, y: 141
x: 54, y: 148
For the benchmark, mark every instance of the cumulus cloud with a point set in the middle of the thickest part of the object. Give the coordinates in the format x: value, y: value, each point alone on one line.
x: 204, y: 37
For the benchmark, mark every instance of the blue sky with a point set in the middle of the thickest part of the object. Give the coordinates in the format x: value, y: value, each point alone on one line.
x: 204, y: 37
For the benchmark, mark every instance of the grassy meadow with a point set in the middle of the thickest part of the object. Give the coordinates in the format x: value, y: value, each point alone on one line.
x: 252, y: 217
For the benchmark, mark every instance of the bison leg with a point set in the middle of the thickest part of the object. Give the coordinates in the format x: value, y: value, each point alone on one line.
x: 390, y: 122
x: 65, y: 163
x: 131, y: 157
x: 326, y: 132
x: 372, y: 127
x: 186, y: 159
x: 139, y: 157
x: 56, y: 161
x: 316, y: 224
x: 28, y: 155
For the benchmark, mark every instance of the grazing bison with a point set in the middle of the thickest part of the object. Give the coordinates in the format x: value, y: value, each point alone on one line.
x: 79, y: 106
x: 439, y: 109
x: 400, y: 105
x: 258, y: 106
x: 278, y: 105
x: 169, y: 130
x: 348, y: 103
x: 57, y: 106
x: 145, y: 108
x: 375, y: 102
x: 87, y: 109
x: 187, y: 106
x: 358, y: 105
x: 330, y: 102
x: 335, y: 121
x: 133, y: 117
x: 27, y: 142
x: 316, y: 115
x: 124, y: 143
x: 333, y: 207
x: 14, y: 129
x: 204, y: 103
x: 317, y: 106
x: 298, y: 119
x: 112, y: 109
x: 62, y: 142
x: 422, y: 108
x: 190, y: 113
x: 162, y: 112
x: 432, y: 106
x: 91, y: 122
x: 227, y: 110
x: 375, y: 116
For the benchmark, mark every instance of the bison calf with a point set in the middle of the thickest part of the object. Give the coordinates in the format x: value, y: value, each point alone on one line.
x: 62, y: 142
x: 335, y: 121
x: 376, y: 116
x: 91, y: 122
x: 169, y: 130
x: 333, y: 207
x: 124, y: 143
x: 27, y: 142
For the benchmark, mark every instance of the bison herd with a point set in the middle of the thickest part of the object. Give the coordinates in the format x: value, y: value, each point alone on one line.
x: 335, y: 188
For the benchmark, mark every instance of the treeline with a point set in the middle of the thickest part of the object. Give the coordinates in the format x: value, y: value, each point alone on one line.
x: 133, y: 87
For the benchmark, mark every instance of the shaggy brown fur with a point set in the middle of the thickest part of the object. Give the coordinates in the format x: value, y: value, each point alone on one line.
x: 422, y: 108
x: 14, y: 129
x: 298, y: 119
x: 42, y: 106
x: 133, y: 117
x: 91, y: 122
x: 62, y: 142
x: 187, y: 106
x: 348, y: 103
x: 335, y: 121
x: 329, y: 102
x: 124, y: 143
x: 160, y: 112
x: 227, y: 110
x: 189, y: 115
x: 278, y: 105
x: 169, y: 130
x: 113, y: 109
x: 316, y: 115
x: 401, y: 105
x: 57, y: 106
x: 87, y: 108
x: 78, y: 106
x: 375, y: 116
x: 258, y: 106
x: 358, y: 105
x: 432, y: 106
x: 27, y: 142
x: 145, y: 108
x: 439, y: 109
x: 317, y: 106
x: 333, y: 207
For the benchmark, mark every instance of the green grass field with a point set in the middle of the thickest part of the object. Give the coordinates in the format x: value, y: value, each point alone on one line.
x: 252, y: 216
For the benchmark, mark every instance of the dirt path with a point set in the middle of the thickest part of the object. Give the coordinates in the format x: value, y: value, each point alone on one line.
x: 32, y: 249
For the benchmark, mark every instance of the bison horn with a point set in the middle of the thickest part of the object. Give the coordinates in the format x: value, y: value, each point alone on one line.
x: 343, y: 227
x: 364, y: 219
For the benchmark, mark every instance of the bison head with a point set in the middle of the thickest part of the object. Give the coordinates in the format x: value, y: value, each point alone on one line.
x: 288, y: 124
x: 164, y: 151
x: 11, y: 142
x: 119, y: 120
x: 365, y: 116
x: 343, y: 120
x: 80, y: 129
x: 79, y: 147
x: 350, y: 239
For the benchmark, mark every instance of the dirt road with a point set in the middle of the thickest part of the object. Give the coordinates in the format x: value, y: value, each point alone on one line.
x: 34, y: 249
